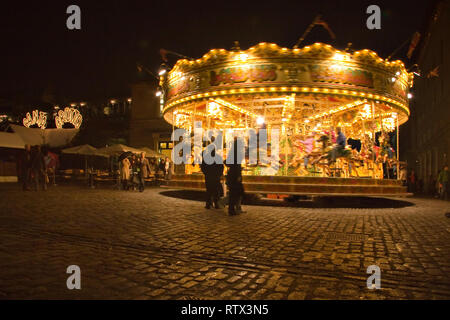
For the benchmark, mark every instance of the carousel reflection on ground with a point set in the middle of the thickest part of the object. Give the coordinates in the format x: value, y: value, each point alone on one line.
x: 302, y: 202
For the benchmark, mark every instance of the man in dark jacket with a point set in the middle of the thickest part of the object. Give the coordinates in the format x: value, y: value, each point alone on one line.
x: 212, y: 173
x: 234, y: 183
x: 443, y: 180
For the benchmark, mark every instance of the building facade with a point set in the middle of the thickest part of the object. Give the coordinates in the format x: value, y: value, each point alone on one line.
x: 147, y: 127
x: 426, y: 138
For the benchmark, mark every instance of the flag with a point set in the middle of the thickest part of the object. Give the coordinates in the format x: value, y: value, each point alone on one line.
x: 433, y: 73
x: 414, y: 41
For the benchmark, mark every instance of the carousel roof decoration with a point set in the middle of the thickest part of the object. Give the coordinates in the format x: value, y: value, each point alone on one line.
x: 287, y: 87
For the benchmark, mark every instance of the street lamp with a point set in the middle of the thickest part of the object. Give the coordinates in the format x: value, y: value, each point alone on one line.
x: 162, y: 69
x: 415, y: 69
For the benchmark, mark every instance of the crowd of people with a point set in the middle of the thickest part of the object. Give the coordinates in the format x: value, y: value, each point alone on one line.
x: 136, y: 168
x: 436, y: 186
x: 35, y: 168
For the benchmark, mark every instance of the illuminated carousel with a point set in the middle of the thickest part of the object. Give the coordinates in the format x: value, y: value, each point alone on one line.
x: 313, y: 96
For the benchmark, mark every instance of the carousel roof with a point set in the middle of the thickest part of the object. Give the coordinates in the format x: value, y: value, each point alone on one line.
x: 272, y: 50
x: 317, y: 77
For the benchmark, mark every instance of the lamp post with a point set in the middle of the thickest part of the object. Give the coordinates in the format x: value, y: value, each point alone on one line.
x: 398, y: 149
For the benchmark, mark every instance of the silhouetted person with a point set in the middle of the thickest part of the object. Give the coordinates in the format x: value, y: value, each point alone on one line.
x: 412, y: 181
x: 38, y: 168
x: 25, y: 168
x: 212, y: 173
x: 234, y: 183
x: 144, y: 171
x: 443, y: 182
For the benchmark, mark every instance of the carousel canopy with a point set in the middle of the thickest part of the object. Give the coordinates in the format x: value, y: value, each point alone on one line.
x: 304, y: 89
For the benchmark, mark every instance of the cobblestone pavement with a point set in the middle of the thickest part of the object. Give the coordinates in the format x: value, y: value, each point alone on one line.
x: 132, y: 245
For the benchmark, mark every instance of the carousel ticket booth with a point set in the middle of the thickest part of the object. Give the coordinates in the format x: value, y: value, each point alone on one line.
x: 337, y: 115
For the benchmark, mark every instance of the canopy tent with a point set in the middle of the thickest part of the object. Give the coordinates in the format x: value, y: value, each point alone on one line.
x: 86, y: 150
x: 149, y: 153
x: 117, y: 149
x: 50, y: 137
x: 11, y: 140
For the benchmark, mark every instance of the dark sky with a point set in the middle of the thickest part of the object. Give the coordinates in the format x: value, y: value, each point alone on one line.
x: 99, y: 61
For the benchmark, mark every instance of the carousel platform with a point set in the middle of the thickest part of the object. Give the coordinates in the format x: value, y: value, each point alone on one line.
x: 312, y: 186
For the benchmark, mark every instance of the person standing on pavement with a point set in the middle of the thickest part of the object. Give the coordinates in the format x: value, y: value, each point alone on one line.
x: 167, y: 169
x: 403, y: 175
x: 25, y: 168
x: 412, y: 181
x: 134, y: 171
x: 234, y: 183
x: 145, y: 170
x: 443, y: 182
x: 213, y: 172
x: 153, y: 166
x: 125, y: 173
x: 161, y: 167
x: 38, y: 169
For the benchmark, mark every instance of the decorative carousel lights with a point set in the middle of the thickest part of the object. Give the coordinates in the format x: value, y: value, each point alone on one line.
x: 316, y: 97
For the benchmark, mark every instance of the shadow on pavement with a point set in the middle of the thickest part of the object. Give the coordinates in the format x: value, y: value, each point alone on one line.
x: 320, y: 202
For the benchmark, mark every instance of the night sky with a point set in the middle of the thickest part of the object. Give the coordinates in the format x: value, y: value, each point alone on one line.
x: 38, y: 52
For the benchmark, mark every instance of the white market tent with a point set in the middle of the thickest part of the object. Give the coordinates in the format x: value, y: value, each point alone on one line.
x: 11, y: 140
x: 149, y: 153
x: 117, y: 149
x: 51, y: 137
x: 85, y: 150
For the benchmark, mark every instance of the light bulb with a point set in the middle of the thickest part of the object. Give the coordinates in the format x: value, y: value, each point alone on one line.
x: 259, y: 121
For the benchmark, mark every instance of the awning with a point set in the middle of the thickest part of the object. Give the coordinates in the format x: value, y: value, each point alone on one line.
x: 149, y: 153
x: 117, y: 149
x: 86, y: 150
x: 51, y: 137
x: 11, y: 140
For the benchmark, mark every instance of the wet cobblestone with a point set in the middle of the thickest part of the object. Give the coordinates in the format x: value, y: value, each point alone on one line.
x: 132, y: 245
